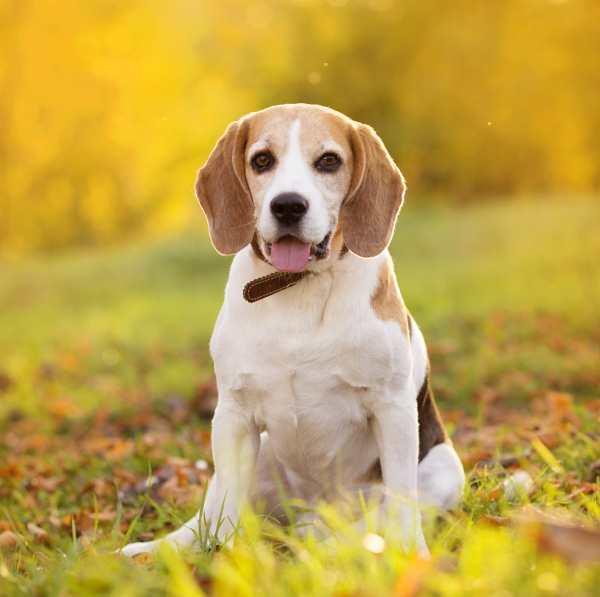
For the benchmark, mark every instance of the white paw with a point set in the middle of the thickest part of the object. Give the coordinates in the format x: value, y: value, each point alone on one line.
x: 133, y: 549
x: 422, y: 549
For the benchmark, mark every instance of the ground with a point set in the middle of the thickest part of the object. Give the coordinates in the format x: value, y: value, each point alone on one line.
x: 106, y: 393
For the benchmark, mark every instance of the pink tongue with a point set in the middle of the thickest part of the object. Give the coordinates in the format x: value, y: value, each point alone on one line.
x: 289, y: 254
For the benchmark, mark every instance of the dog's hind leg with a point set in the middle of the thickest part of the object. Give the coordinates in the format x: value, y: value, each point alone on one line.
x: 440, y: 478
x: 184, y: 537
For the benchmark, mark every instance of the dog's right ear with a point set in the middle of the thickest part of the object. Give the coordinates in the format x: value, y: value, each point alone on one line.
x: 223, y: 192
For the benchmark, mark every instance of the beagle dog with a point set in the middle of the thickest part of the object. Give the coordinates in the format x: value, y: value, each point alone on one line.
x: 322, y: 373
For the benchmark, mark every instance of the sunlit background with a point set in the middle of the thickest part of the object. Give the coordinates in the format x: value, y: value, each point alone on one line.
x: 110, y: 288
x: 108, y: 107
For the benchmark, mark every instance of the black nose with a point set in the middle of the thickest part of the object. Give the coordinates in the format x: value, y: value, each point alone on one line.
x: 288, y: 208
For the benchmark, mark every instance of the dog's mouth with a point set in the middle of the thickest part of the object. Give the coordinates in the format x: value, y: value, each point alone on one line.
x: 290, y: 254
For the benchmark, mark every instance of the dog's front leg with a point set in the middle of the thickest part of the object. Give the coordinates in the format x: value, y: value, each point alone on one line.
x: 236, y: 441
x: 395, y: 426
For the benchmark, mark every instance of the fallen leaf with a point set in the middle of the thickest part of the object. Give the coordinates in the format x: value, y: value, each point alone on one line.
x: 205, y: 399
x: 8, y: 539
x: 5, y: 382
x: 143, y: 537
x: 39, y: 534
x: 594, y: 471
x: 143, y: 559
x: 556, y: 534
x: 497, y: 521
x: 55, y: 522
x: 561, y: 409
x: 409, y: 584
x: 50, y: 484
x: 585, y: 489
x: 69, y: 362
x: 62, y: 407
x: 43, y: 556
x: 475, y: 457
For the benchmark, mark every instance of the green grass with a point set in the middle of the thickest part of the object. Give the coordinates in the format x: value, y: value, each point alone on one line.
x: 98, y: 344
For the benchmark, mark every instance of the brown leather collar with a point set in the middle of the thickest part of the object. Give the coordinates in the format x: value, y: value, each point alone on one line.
x: 276, y: 282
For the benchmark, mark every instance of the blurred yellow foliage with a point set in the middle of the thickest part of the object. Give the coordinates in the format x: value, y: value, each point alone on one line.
x: 107, y: 107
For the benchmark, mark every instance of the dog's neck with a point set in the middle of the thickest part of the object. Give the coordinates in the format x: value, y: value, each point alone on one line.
x: 267, y: 285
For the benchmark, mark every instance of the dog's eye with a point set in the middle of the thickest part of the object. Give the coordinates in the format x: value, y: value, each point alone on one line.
x: 328, y: 162
x: 262, y: 161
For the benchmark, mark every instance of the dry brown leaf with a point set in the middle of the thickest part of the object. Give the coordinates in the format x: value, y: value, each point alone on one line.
x: 39, y: 534
x: 561, y: 409
x: 584, y: 489
x: 85, y: 521
x: 143, y: 559
x: 496, y: 521
x: 69, y: 361
x: 43, y: 556
x: 181, y: 476
x: 550, y: 440
x: 168, y: 487
x: 50, y: 484
x: 409, y: 584
x: 143, y: 537
x: 5, y: 382
x: 175, y: 461
x: 568, y: 538
x: 8, y: 539
x: 475, y: 457
x: 205, y: 399
x: 63, y: 407
x: 55, y: 522
x: 594, y: 471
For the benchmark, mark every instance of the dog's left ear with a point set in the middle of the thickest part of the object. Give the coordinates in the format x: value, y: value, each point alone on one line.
x: 375, y: 197
x: 223, y: 192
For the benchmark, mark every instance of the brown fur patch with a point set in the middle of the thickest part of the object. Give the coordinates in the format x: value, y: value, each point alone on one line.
x: 223, y: 193
x: 431, y: 427
x: 386, y: 301
x: 375, y: 197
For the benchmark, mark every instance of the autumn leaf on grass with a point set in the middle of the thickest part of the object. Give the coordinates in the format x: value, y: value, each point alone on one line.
x: 494, y: 521
x: 143, y: 559
x: 9, y: 539
x: 63, y: 407
x: 594, y: 471
x: 49, y: 484
x: 39, y: 534
x: 474, y: 457
x: 411, y: 582
x: 561, y: 410
x: 85, y: 521
x: 112, y: 448
x: 69, y: 362
x: 555, y: 533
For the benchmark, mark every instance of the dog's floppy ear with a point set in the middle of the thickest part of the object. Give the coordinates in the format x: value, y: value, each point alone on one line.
x: 371, y: 207
x: 223, y: 192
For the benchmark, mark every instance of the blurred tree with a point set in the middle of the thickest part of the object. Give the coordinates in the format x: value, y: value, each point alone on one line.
x: 108, y: 107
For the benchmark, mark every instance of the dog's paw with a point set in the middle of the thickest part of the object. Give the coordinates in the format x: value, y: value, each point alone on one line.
x: 422, y: 549
x: 133, y: 549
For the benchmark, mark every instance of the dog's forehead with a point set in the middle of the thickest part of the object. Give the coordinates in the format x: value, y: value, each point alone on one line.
x: 320, y: 129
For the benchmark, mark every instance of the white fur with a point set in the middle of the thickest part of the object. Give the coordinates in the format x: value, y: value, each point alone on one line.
x: 330, y: 386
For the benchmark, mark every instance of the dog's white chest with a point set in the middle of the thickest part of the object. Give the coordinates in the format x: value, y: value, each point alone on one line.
x: 299, y: 391
x: 307, y: 381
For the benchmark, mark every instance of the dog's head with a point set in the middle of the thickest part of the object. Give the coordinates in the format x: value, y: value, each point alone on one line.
x: 298, y: 175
